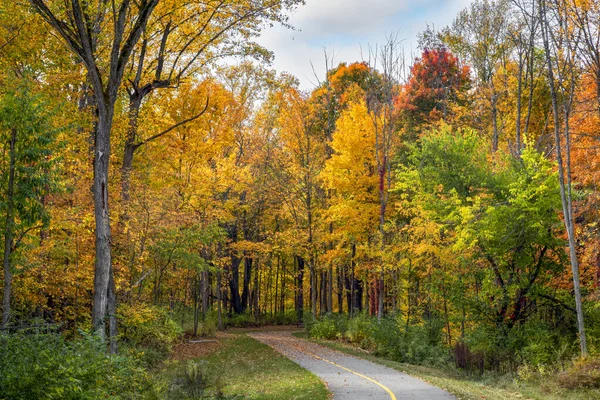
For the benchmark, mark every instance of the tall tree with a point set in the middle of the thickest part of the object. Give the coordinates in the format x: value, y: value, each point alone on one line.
x: 480, y: 35
x: 88, y: 29
x: 27, y: 171
x: 561, y: 64
x: 168, y: 54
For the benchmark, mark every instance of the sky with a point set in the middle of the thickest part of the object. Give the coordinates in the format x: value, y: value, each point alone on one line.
x: 346, y: 29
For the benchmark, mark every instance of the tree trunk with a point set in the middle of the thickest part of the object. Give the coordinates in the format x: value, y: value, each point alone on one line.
x: 299, y: 288
x: 565, y: 192
x: 382, y: 207
x: 330, y: 290
x: 313, y: 288
x: 256, y: 293
x: 8, y: 232
x: 135, y: 102
x: 246, y: 288
x: 234, y: 285
x: 323, y: 293
x: 112, y: 314
x: 519, y: 94
x: 103, y: 263
x: 219, y: 309
x: 340, y: 288
x: 204, y: 291
x: 495, y: 133
x: 282, y: 300
x: 195, y: 290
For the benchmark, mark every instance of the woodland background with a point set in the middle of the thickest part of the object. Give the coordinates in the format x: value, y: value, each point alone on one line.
x: 157, y: 176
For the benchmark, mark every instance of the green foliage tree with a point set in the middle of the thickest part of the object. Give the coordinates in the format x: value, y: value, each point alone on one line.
x: 497, y: 215
x: 27, y: 173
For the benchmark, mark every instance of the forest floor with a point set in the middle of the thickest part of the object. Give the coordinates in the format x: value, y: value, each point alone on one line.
x: 349, y: 377
x: 236, y: 367
x: 468, y: 387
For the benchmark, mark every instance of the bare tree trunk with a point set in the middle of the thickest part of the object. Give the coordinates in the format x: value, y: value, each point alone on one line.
x: 112, y: 314
x: 495, y: 134
x: 246, y: 282
x: 565, y: 181
x: 77, y: 32
x: 204, y: 291
x: 313, y: 288
x: 103, y: 238
x: 531, y: 89
x: 256, y: 293
x: 234, y: 285
x: 282, y: 300
x: 135, y: 102
x: 219, y: 310
x: 299, y: 288
x: 8, y: 232
x: 340, y: 288
x: 382, y: 206
x: 519, y: 94
x: 330, y: 289
x: 196, y: 296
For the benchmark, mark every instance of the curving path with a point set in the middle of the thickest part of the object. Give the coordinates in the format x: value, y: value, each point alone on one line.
x: 350, y: 378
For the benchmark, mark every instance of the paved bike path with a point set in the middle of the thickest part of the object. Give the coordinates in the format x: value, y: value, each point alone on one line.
x: 348, y: 377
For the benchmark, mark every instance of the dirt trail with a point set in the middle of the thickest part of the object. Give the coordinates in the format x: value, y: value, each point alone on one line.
x: 350, y: 378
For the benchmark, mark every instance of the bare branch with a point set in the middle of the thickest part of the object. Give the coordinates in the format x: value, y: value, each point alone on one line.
x: 177, y: 125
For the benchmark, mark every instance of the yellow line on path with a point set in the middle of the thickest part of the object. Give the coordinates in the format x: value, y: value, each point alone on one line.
x: 393, y: 397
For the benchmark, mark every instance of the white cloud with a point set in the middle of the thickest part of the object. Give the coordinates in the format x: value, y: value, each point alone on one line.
x: 346, y: 26
x: 335, y: 16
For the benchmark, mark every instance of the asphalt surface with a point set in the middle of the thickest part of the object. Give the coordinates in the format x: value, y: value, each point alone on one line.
x: 350, y: 378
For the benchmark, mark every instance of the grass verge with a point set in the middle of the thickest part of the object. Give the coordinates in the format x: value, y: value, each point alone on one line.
x: 241, y: 368
x: 466, y: 387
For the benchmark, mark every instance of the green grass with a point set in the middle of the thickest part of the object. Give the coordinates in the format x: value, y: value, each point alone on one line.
x: 243, y: 368
x: 489, y: 387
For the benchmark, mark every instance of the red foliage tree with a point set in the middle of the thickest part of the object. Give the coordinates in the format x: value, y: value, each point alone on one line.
x: 436, y: 81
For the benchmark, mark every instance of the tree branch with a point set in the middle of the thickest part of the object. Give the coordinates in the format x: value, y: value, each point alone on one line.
x: 177, y: 125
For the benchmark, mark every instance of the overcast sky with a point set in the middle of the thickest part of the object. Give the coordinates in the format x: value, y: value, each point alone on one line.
x: 344, y: 26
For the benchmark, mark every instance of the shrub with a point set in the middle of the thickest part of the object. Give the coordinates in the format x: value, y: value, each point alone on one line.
x: 388, y: 339
x: 583, y: 374
x: 423, y: 345
x: 189, y: 381
x: 308, y: 320
x: 48, y: 367
x: 324, y: 329
x: 243, y: 320
x: 287, y: 318
x: 360, y: 331
x: 148, y: 327
x: 208, y: 327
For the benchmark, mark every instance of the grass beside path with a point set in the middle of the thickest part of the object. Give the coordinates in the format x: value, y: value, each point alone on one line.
x: 466, y: 387
x: 243, y: 368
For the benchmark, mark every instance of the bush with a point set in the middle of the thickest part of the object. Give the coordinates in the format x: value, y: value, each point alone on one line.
x: 424, y: 346
x: 241, y: 320
x: 208, y: 327
x: 308, y: 320
x: 190, y: 381
x: 287, y: 318
x: 388, y: 339
x: 330, y: 326
x: 360, y: 331
x: 419, y: 345
x: 150, y: 328
x: 583, y: 374
x: 48, y: 367
x: 324, y: 329
x: 532, y: 349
